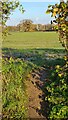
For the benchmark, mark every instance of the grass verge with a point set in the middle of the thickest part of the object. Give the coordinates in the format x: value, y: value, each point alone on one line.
x: 14, y: 72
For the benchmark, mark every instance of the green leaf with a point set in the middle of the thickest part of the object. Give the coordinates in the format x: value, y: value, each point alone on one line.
x: 49, y: 6
x: 48, y: 11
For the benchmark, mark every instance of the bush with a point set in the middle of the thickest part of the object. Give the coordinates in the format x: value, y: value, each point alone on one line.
x: 14, y: 96
x: 57, y: 97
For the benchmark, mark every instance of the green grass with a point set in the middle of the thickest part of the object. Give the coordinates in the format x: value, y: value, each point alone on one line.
x: 14, y: 96
x: 33, y: 50
x: 33, y: 46
x: 30, y: 40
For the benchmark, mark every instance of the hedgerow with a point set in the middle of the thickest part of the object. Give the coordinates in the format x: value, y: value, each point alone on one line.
x: 57, y: 90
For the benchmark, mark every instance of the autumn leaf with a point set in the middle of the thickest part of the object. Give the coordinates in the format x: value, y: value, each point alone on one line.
x: 55, y: 9
x: 54, y: 14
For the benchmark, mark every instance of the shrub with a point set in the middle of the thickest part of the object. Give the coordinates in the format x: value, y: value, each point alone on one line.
x: 57, y: 96
x: 14, y: 95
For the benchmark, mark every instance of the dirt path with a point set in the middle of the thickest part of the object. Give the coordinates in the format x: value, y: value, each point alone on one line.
x: 36, y: 107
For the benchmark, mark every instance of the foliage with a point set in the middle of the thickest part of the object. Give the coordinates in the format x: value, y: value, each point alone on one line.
x: 14, y: 97
x: 37, y: 58
x: 60, y: 12
x: 25, y: 25
x: 49, y: 27
x: 57, y: 87
x: 57, y: 96
x: 6, y: 8
x: 28, y: 26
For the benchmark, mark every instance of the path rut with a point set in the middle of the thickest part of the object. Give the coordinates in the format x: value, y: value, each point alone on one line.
x: 36, y: 104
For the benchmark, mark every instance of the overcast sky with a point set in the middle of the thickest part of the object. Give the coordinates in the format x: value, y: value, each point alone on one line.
x: 33, y: 10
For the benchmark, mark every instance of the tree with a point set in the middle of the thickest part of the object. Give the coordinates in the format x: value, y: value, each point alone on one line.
x: 6, y: 8
x: 58, y: 86
x: 60, y: 12
x: 49, y: 27
x: 26, y: 25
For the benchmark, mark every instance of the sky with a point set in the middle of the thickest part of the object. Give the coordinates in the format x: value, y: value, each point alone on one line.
x: 36, y: 11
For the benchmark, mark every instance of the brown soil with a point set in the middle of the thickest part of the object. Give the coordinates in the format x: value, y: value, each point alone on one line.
x: 36, y: 104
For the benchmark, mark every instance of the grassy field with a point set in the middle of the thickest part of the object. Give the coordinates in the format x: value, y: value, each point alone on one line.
x: 29, y: 40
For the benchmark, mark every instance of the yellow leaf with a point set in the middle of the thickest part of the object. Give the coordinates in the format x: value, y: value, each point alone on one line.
x: 65, y: 58
x: 57, y: 66
x: 49, y: 99
x: 28, y: 75
x: 54, y: 14
x: 55, y: 9
x: 60, y: 75
x: 64, y: 29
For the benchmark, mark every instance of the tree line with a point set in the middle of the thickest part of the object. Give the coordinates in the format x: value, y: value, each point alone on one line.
x: 27, y: 25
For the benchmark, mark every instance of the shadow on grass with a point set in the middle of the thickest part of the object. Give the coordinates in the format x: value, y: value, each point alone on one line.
x: 46, y: 58
x: 40, y: 57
